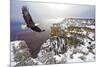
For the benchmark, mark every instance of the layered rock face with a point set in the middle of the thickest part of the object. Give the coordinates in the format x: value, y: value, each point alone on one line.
x: 75, y: 43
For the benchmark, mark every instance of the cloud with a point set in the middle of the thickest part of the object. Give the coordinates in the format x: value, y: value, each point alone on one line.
x: 43, y: 11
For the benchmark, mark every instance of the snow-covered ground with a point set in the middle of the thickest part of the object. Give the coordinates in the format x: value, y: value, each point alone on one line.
x: 20, y: 54
x: 56, y: 51
x: 80, y: 53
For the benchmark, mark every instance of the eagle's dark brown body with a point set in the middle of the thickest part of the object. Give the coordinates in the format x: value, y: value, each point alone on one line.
x: 30, y: 23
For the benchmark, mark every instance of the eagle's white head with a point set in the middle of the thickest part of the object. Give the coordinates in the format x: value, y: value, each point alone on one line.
x: 24, y: 26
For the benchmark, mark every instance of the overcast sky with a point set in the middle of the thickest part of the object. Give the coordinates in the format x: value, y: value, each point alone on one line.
x: 46, y: 11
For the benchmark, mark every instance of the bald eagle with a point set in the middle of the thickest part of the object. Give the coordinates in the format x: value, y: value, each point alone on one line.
x: 30, y: 23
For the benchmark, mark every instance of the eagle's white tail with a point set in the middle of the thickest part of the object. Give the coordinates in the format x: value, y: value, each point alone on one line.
x: 36, y: 24
x: 23, y: 26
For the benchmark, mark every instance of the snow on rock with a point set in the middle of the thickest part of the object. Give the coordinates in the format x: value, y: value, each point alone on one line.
x: 90, y: 57
x: 75, y: 58
x: 82, y: 53
x: 55, y: 51
x: 85, y: 49
x: 20, y: 55
x: 91, y: 35
x: 92, y: 27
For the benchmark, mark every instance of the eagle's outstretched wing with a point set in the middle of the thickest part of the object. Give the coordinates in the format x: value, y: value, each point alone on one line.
x: 30, y: 23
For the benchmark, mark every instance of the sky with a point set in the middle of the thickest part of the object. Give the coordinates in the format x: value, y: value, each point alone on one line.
x: 51, y: 11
